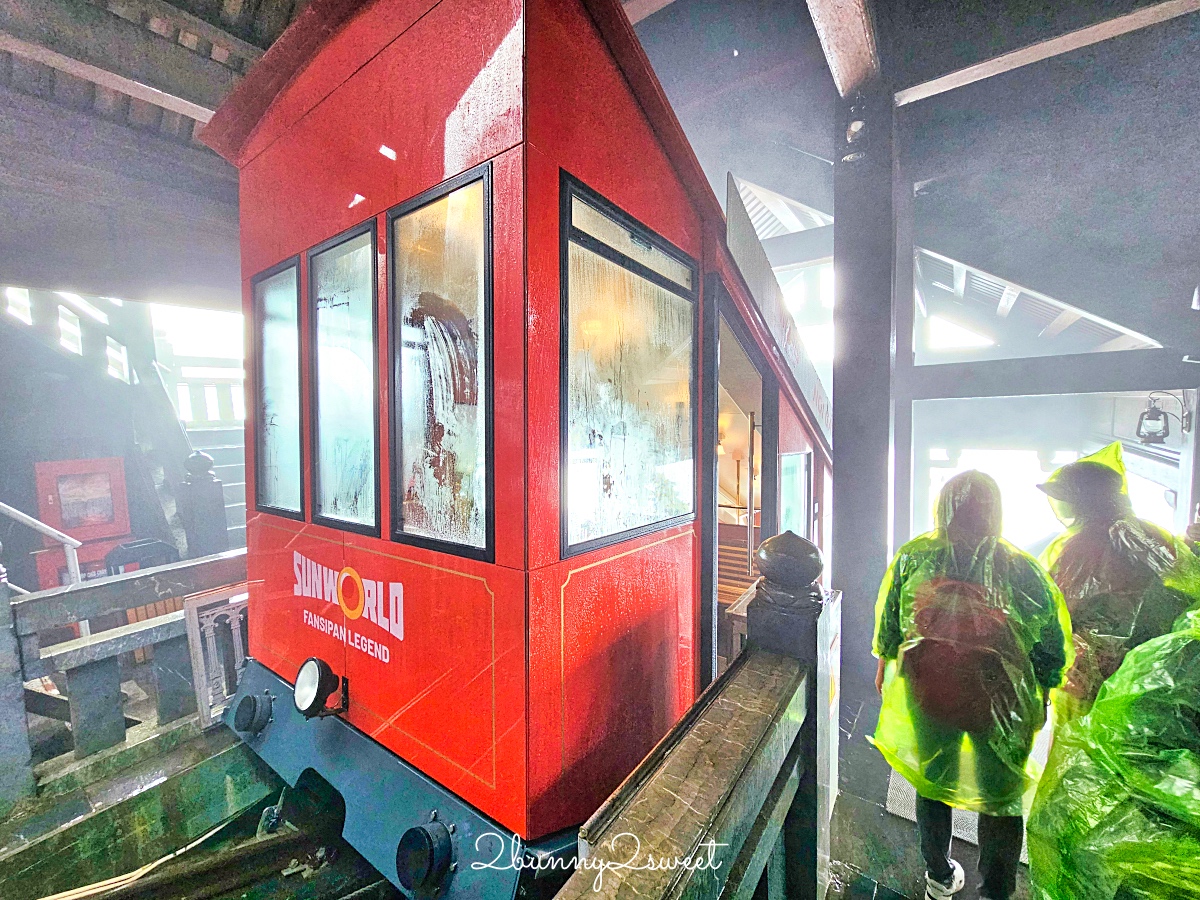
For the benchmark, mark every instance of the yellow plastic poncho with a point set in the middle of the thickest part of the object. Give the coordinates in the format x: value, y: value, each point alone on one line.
x: 1125, y: 580
x: 1117, y: 813
x: 975, y: 635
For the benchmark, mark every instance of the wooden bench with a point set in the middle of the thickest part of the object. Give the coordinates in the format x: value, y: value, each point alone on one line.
x: 91, y: 663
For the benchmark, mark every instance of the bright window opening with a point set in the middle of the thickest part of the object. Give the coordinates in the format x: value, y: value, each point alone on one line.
x: 70, y: 337
x: 183, y: 402
x: 17, y: 304
x: 118, y: 360
x: 945, y: 335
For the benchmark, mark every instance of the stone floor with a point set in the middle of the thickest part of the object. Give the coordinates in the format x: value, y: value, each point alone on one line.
x: 863, y: 888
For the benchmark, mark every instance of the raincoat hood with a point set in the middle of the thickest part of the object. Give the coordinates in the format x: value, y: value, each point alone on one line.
x: 968, y: 508
x: 1093, y: 488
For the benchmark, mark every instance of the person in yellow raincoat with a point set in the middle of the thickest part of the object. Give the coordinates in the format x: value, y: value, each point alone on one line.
x: 1117, y: 814
x: 971, y: 636
x: 1125, y: 580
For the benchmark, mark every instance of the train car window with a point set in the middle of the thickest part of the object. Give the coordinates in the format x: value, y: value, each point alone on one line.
x: 441, y: 340
x: 342, y: 300
x: 628, y: 376
x: 276, y: 317
x: 591, y: 221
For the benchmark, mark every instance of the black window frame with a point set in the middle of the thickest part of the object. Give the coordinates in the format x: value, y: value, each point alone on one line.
x: 487, y: 553
x: 367, y: 227
x: 569, y: 188
x: 256, y: 323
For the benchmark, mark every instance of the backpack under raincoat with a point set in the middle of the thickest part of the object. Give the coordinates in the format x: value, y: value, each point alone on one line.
x: 1117, y: 813
x: 1125, y: 581
x: 974, y: 637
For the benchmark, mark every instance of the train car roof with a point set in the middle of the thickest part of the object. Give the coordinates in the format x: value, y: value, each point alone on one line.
x: 348, y: 27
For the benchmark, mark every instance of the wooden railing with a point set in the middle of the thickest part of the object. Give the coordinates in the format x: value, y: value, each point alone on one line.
x: 731, y: 802
x: 90, y: 663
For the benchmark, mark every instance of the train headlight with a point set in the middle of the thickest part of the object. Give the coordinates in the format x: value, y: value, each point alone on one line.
x: 315, y: 683
x: 423, y: 857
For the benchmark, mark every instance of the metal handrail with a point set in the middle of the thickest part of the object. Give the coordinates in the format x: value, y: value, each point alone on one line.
x: 69, y: 544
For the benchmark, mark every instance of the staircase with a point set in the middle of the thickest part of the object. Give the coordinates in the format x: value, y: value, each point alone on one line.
x: 109, y: 345
x: 225, y: 443
x: 207, y: 395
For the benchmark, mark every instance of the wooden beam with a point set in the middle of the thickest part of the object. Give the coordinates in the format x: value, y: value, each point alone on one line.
x: 1007, y: 300
x: 103, y: 78
x: 847, y: 36
x: 91, y: 43
x: 1080, y: 373
x: 1061, y: 323
x: 102, y: 162
x: 960, y: 280
x: 641, y: 9
x: 1074, y: 40
x: 193, y: 24
x: 800, y: 247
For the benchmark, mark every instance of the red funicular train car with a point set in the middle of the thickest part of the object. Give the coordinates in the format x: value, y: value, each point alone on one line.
x: 485, y: 281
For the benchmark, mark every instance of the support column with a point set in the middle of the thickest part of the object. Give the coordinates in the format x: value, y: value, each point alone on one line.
x: 97, y: 719
x: 16, y: 768
x: 862, y: 260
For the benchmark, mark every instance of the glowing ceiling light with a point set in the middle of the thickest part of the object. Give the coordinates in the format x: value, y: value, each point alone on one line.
x: 945, y: 335
x: 388, y: 152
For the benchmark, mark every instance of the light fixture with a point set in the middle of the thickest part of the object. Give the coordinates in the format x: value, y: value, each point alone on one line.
x: 1153, y: 425
x: 1196, y: 299
x: 315, y: 684
x: 721, y: 444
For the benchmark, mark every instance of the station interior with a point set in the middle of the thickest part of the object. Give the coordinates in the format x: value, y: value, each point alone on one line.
x: 982, y: 221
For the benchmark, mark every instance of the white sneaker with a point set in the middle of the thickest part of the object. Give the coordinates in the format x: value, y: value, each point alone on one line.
x: 935, y: 890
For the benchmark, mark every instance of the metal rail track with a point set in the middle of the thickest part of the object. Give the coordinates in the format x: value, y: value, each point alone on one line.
x: 296, y: 865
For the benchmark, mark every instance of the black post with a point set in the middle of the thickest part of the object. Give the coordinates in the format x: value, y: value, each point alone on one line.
x: 16, y: 768
x: 782, y: 618
x: 201, y: 506
x: 709, y: 342
x: 863, y: 244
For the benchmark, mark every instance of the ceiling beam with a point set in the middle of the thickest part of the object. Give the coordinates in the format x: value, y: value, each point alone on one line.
x: 1085, y: 373
x: 100, y: 208
x: 1007, y: 300
x: 641, y: 9
x: 800, y: 247
x: 847, y: 36
x: 1061, y: 323
x: 1074, y: 40
x: 91, y: 43
x: 201, y: 28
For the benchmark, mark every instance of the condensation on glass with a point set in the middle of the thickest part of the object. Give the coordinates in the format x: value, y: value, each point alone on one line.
x: 342, y: 293
x: 592, y: 221
x: 629, y: 441
x: 277, y: 306
x: 442, y: 334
